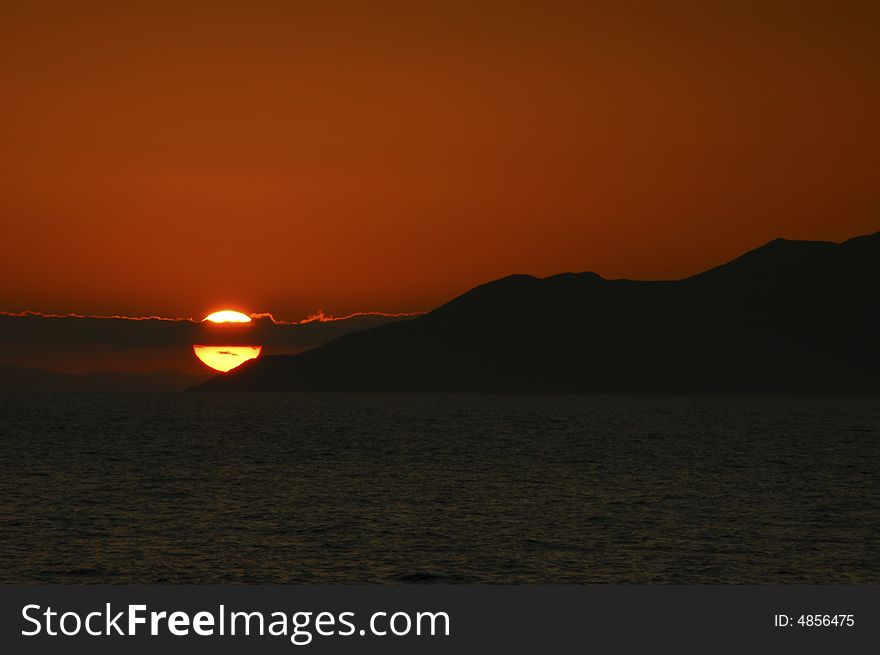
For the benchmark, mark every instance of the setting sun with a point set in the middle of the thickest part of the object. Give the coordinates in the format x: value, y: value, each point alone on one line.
x: 228, y: 316
x: 226, y: 358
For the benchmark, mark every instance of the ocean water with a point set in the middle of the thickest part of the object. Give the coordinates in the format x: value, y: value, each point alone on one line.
x: 397, y: 488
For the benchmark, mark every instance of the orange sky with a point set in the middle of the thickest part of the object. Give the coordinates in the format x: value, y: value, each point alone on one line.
x: 171, y: 158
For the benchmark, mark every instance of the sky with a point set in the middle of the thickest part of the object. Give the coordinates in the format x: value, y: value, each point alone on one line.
x: 171, y: 159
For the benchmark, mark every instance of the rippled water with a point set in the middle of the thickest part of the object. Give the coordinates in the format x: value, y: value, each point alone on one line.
x: 351, y: 488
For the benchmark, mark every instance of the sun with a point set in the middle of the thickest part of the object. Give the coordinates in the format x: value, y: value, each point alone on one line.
x: 227, y: 316
x: 224, y: 358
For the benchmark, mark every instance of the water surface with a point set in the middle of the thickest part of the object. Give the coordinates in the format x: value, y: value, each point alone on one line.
x: 392, y: 488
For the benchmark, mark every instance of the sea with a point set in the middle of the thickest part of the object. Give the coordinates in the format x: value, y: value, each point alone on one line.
x: 438, y: 488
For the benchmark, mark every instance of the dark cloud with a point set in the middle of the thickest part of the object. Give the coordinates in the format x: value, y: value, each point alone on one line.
x: 81, y: 344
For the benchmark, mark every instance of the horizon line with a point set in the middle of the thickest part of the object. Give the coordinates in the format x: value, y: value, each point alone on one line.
x: 317, y: 317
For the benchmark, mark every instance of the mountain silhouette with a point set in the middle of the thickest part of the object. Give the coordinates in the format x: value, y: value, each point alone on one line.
x: 790, y: 316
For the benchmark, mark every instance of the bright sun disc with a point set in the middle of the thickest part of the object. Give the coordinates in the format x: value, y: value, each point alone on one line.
x: 226, y: 358
x: 228, y: 316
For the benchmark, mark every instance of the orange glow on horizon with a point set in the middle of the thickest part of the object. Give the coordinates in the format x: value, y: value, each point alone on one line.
x: 226, y: 358
x: 293, y: 155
